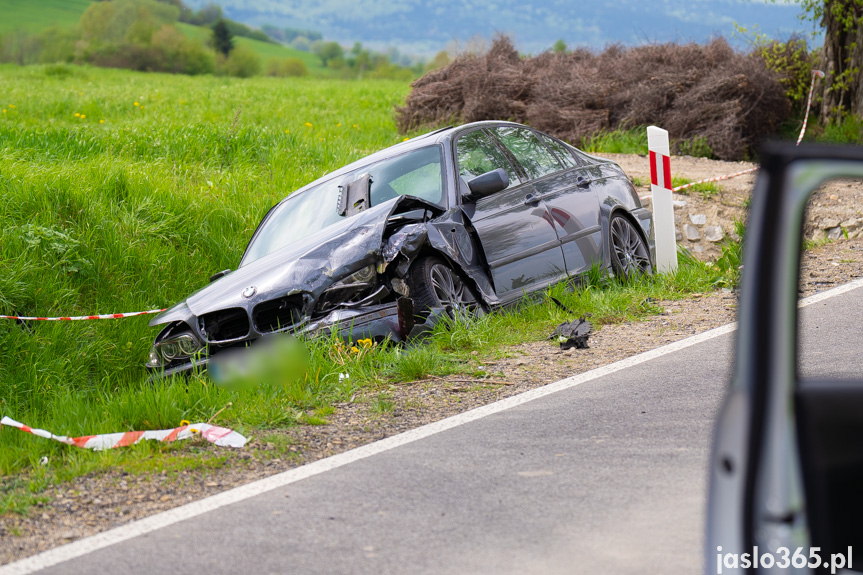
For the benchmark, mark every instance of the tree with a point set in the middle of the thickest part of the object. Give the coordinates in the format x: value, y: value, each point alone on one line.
x: 841, y: 56
x: 223, y: 39
x: 559, y: 47
x: 328, y: 51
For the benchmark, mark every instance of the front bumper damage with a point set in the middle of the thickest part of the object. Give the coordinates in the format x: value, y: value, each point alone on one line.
x: 315, y: 280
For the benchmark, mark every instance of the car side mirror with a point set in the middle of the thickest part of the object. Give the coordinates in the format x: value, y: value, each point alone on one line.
x: 219, y: 275
x: 488, y: 183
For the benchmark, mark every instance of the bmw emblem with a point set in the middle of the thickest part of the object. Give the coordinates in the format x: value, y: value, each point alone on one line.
x: 249, y: 292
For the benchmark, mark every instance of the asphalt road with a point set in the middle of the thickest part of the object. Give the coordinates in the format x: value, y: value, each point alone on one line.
x: 605, y: 477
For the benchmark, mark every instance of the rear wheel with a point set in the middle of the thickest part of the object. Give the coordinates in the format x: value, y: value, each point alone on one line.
x: 629, y: 254
x: 433, y: 283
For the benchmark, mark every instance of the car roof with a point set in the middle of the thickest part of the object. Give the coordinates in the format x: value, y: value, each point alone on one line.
x: 434, y: 137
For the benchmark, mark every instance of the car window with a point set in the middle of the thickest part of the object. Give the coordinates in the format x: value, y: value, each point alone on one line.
x: 530, y: 152
x: 477, y: 155
x: 562, y: 152
x: 417, y: 173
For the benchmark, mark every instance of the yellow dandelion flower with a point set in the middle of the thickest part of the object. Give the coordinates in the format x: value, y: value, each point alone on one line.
x: 77, y: 115
x: 356, y: 125
x: 406, y: 139
x: 287, y: 131
x: 322, y: 139
x: 355, y: 349
x: 101, y: 121
x: 136, y: 104
x: 308, y: 125
x: 339, y: 125
x: 83, y: 116
x: 12, y: 106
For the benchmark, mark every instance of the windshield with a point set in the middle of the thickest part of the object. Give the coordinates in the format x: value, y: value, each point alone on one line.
x: 416, y: 173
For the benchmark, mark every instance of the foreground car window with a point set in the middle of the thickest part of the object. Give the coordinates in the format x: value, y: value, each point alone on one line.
x: 534, y: 157
x: 477, y: 155
x: 417, y: 173
x: 566, y: 158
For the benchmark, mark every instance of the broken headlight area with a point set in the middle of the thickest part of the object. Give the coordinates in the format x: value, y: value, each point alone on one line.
x: 359, y: 288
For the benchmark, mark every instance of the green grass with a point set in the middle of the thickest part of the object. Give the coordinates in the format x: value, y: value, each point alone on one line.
x: 36, y: 15
x: 620, y: 141
x: 848, y: 130
x: 127, y: 207
x: 705, y: 189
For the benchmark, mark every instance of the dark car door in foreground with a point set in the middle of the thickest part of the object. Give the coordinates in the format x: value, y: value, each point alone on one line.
x: 514, y: 226
x: 786, y: 473
x: 566, y: 190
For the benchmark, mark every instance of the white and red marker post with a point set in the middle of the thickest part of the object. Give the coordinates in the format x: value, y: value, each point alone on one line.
x: 663, y: 208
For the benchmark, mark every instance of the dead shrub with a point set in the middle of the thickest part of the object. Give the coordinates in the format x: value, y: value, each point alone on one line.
x: 709, y: 93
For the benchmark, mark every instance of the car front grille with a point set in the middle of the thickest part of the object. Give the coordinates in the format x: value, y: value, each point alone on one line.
x: 276, y: 314
x: 225, y: 325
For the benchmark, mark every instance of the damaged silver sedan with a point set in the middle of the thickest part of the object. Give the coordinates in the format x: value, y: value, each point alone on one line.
x: 474, y: 216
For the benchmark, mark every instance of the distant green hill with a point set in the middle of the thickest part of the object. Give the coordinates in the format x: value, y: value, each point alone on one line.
x: 36, y: 15
x: 265, y: 50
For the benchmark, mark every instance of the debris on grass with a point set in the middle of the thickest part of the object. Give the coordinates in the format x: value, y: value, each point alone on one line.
x: 571, y: 334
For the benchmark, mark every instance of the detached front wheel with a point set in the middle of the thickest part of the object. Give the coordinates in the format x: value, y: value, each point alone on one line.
x: 629, y: 254
x: 434, y: 284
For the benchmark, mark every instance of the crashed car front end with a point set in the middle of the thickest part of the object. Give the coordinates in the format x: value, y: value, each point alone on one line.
x: 348, y: 278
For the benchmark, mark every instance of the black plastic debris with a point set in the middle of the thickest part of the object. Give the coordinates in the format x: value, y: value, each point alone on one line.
x: 572, y: 334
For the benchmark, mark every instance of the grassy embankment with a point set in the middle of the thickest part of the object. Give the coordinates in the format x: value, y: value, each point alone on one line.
x: 125, y: 191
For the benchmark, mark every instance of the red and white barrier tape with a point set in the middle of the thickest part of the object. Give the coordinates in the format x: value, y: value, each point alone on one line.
x: 220, y: 436
x: 83, y: 317
x: 653, y: 174
x: 815, y: 74
x: 716, y: 179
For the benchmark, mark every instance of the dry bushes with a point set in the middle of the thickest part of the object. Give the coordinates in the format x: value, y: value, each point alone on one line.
x: 707, y: 92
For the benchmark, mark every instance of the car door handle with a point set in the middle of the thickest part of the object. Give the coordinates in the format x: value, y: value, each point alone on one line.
x: 531, y: 199
x: 582, y: 182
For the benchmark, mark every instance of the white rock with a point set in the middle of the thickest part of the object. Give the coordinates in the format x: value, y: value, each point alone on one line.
x: 698, y: 219
x: 679, y: 203
x: 678, y: 236
x: 713, y: 234
x: 691, y: 233
x: 834, y: 233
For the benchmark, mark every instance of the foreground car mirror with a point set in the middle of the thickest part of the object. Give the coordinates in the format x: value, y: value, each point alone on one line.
x: 218, y: 275
x: 488, y: 183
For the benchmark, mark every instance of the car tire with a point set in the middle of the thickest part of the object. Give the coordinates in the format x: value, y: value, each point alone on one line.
x: 434, y: 284
x: 630, y: 255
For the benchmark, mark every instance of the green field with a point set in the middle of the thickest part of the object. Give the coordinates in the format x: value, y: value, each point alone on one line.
x: 125, y: 191
x: 36, y: 15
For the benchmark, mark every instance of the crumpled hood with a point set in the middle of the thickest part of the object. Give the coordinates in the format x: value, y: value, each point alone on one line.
x: 310, y: 265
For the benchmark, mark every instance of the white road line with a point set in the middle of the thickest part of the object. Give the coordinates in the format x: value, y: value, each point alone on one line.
x: 190, y: 510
